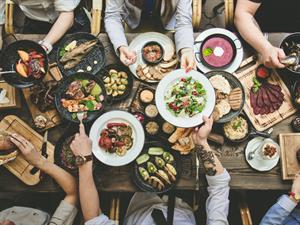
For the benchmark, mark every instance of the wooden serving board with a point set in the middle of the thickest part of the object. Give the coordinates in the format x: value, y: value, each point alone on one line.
x: 20, y: 167
x: 263, y: 122
x: 52, y: 115
x: 289, y: 144
x: 12, y: 94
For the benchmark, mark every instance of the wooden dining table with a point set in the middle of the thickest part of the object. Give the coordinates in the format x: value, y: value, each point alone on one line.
x: 118, y: 179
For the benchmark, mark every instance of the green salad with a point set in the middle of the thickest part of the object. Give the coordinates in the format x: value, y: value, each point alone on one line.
x: 186, y: 98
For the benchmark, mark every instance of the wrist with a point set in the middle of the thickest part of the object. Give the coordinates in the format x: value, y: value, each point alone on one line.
x: 202, y: 143
x: 186, y: 50
x: 86, y: 168
x: 294, y: 197
x: 46, y: 45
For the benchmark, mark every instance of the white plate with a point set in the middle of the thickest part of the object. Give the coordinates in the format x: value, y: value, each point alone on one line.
x: 137, y: 135
x: 174, y: 77
x: 257, y: 163
x: 139, y: 41
x: 239, y: 50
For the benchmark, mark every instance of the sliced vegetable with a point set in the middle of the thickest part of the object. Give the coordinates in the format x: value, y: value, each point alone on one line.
x: 168, y: 157
x: 142, y: 159
x: 151, y: 167
x: 144, y: 173
x: 160, y: 162
x: 155, y: 151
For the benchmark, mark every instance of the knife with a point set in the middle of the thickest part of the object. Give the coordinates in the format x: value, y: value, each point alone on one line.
x: 34, y: 170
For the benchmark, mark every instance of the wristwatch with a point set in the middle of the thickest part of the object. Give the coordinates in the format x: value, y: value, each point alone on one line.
x: 294, y: 196
x: 81, y: 160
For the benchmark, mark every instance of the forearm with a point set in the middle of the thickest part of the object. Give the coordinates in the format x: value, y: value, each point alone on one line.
x: 212, y: 164
x: 65, y: 180
x: 89, y: 198
x: 63, y: 23
x: 250, y: 31
x: 279, y: 211
x: 113, y: 23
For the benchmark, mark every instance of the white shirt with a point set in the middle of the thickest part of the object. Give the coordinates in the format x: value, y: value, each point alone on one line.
x: 41, y: 10
x: 217, y: 206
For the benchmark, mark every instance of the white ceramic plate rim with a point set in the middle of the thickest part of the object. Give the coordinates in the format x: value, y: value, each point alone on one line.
x: 257, y: 164
x: 239, y: 53
x: 170, y: 79
x: 138, y: 138
x: 139, y: 41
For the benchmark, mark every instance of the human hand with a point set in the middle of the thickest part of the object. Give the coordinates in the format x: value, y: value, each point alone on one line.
x: 81, y: 145
x: 271, y: 57
x: 127, y: 56
x: 27, y: 149
x: 200, y: 134
x: 7, y: 222
x: 296, y: 185
x: 187, y: 59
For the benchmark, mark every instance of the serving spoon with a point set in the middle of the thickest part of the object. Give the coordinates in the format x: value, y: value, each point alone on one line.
x: 290, y: 60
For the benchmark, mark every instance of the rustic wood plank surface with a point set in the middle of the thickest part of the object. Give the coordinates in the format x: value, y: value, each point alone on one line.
x: 118, y: 179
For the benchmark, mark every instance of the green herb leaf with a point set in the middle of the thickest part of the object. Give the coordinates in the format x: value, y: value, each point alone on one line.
x: 89, y: 104
x: 74, y: 116
x: 207, y: 52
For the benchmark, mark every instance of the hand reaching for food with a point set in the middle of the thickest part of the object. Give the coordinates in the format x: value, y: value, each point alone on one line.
x: 81, y: 145
x: 187, y: 59
x: 200, y: 134
x: 271, y: 57
x: 28, y: 151
x: 127, y: 56
x: 296, y: 185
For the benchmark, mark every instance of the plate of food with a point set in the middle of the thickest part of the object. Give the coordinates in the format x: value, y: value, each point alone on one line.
x: 144, y: 108
x: 64, y: 156
x: 184, y: 98
x: 29, y: 61
x: 81, y: 92
x: 230, y: 95
x: 218, y: 49
x: 239, y: 130
x: 118, y: 138
x: 157, y: 169
x: 156, y: 56
x: 118, y: 82
x: 80, y: 52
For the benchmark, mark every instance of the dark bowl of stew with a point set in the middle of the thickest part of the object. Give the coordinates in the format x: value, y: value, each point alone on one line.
x: 152, y: 52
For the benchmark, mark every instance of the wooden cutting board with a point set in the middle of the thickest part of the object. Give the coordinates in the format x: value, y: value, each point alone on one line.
x: 20, y: 167
x: 263, y: 122
x: 289, y: 145
x: 52, y: 115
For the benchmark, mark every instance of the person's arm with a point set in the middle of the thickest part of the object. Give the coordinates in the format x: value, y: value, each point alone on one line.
x: 65, y: 180
x: 284, y: 206
x: 2, y: 21
x: 63, y: 23
x: 250, y: 31
x: 184, y: 36
x: 115, y: 31
x: 217, y: 204
x: 89, y: 197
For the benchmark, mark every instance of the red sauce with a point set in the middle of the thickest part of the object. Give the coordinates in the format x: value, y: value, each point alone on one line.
x: 218, y: 61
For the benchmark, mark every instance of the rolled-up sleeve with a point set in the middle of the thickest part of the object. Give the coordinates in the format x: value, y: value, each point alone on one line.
x: 113, y: 23
x: 217, y: 204
x: 64, y: 214
x: 100, y: 220
x: 183, y: 28
x: 279, y: 211
x: 2, y: 12
x: 66, y: 5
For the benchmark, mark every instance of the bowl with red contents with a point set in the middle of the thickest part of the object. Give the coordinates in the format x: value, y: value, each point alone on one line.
x: 152, y: 52
x: 217, y: 51
x: 29, y: 61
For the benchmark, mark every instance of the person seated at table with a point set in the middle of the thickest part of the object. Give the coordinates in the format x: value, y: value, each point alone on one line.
x: 65, y: 212
x: 272, y: 16
x: 148, y: 208
x: 51, y: 17
x: 286, y: 210
x: 173, y: 15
